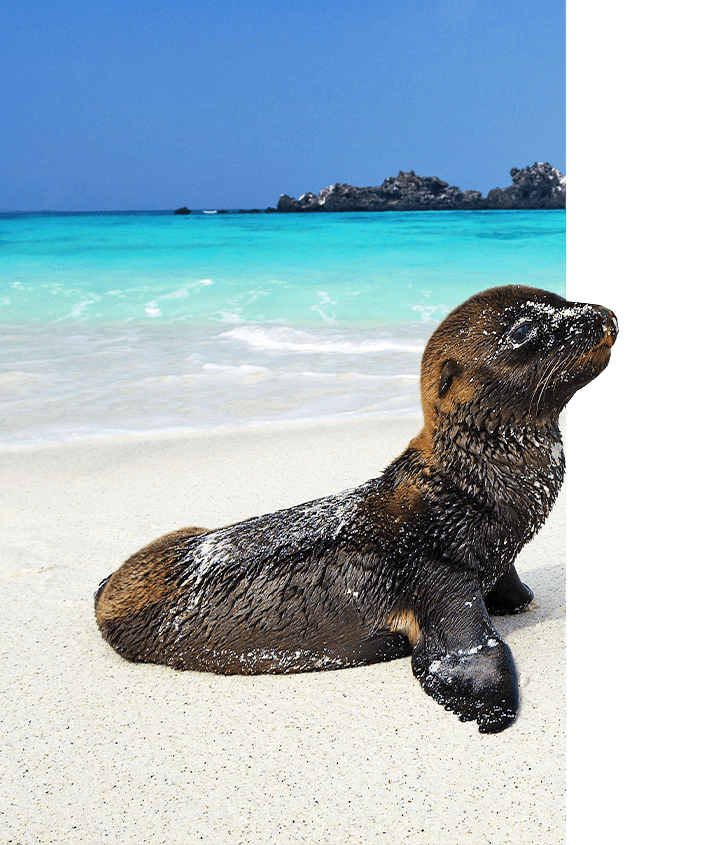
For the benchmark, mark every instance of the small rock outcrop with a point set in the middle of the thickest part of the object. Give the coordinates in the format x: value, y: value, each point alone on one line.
x: 538, y: 187
x: 182, y: 210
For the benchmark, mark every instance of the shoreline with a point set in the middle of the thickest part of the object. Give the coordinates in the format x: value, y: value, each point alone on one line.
x: 255, y: 426
x: 101, y: 748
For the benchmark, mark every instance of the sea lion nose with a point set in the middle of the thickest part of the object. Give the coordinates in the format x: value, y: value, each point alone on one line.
x: 610, y: 324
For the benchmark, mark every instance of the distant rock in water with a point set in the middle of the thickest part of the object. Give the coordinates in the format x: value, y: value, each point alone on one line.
x: 404, y: 192
x: 538, y: 187
x: 182, y: 210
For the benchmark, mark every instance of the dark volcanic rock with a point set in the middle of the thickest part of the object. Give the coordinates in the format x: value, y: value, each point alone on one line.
x: 404, y: 192
x: 539, y: 186
x: 182, y: 210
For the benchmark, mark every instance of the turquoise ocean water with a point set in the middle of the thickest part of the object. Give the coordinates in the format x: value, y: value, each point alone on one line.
x: 136, y: 322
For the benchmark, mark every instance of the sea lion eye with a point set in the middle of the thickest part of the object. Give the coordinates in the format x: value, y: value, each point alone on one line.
x: 519, y: 333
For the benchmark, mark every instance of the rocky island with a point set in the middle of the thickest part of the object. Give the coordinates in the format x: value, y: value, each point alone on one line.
x: 540, y: 186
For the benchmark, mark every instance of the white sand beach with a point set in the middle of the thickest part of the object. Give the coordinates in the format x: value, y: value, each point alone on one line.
x: 95, y: 749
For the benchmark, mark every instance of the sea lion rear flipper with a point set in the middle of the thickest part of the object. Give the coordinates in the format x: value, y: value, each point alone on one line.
x: 509, y: 595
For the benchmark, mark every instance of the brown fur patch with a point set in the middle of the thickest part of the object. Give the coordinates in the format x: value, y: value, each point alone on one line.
x: 422, y: 443
x: 144, y: 578
x: 389, y: 507
x: 599, y: 354
x: 401, y: 502
x: 405, y: 623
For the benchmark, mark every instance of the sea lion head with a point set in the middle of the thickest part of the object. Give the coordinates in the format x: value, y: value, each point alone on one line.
x: 513, y: 355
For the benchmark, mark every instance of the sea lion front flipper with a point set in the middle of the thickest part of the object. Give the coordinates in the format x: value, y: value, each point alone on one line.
x: 509, y: 595
x: 461, y: 661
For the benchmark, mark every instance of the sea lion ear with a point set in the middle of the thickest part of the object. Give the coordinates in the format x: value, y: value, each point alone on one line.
x: 447, y: 374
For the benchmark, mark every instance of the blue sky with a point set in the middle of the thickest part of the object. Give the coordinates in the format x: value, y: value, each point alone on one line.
x: 156, y: 104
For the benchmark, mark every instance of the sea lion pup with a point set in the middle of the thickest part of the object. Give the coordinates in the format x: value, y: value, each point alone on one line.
x: 410, y: 563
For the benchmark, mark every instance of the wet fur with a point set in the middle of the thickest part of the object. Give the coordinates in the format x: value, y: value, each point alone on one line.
x: 410, y: 563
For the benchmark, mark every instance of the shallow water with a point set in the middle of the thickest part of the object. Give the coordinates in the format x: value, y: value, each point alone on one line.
x: 124, y: 323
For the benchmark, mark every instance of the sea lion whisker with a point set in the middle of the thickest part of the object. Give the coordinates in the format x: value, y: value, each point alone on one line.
x: 538, y: 390
x: 554, y: 368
